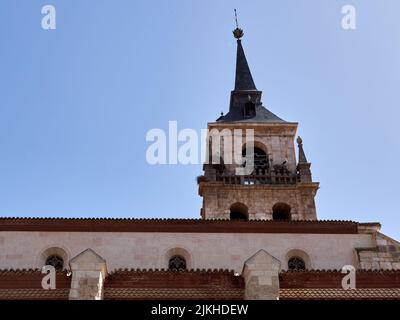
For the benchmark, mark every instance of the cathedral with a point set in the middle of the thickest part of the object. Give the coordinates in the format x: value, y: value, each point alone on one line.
x: 258, y: 236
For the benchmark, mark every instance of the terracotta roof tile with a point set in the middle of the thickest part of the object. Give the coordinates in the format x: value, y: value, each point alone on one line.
x: 182, y: 280
x: 172, y: 219
x: 167, y: 271
x: 177, y: 225
x: 173, y: 293
x: 34, y: 294
x: 332, y: 294
x: 332, y: 279
x: 14, y: 279
x: 330, y: 271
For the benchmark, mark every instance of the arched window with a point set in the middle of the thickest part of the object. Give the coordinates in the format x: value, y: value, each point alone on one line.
x: 296, y: 263
x: 56, y: 261
x: 281, y: 211
x: 177, y: 263
x: 261, y: 162
x: 54, y: 256
x: 239, y: 211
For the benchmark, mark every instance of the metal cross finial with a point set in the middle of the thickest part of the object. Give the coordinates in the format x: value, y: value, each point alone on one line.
x: 238, y: 33
x: 236, y: 20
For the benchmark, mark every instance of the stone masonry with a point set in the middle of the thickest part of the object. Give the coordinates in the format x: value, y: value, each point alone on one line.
x: 261, y: 274
x: 385, y: 256
x: 88, y: 273
x: 277, y: 140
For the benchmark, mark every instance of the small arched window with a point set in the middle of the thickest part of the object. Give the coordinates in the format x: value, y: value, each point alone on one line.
x: 281, y: 211
x: 239, y: 211
x: 56, y: 261
x: 177, y: 263
x: 296, y: 263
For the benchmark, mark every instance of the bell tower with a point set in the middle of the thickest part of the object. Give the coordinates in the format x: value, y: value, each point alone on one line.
x: 277, y: 186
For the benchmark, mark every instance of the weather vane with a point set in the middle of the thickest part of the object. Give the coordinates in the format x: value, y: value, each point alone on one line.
x: 238, y: 33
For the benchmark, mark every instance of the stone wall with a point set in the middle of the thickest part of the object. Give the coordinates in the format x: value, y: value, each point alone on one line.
x: 149, y: 250
x: 218, y: 198
x: 385, y: 256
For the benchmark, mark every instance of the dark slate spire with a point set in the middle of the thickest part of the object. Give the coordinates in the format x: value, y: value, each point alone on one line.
x: 245, y: 104
x: 244, y: 80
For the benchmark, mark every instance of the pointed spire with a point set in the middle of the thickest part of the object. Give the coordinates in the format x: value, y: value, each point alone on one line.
x: 245, y: 103
x: 302, y: 155
x: 244, y: 79
x: 303, y: 166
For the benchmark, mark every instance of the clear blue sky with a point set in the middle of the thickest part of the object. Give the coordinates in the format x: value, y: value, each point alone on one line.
x: 76, y: 102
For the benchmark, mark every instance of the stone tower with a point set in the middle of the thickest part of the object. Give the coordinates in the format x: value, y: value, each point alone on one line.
x: 277, y: 187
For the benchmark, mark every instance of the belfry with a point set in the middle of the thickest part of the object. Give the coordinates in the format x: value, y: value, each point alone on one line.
x: 279, y: 187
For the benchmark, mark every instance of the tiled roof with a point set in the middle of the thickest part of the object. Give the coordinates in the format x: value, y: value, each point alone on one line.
x: 335, y: 271
x: 204, y: 284
x: 177, y: 225
x: 8, y: 272
x: 327, y: 284
x: 170, y: 219
x: 127, y: 271
x: 165, y: 284
x: 173, y: 293
x: 310, y: 279
x: 34, y: 294
x: 262, y: 115
x: 339, y: 294
x: 26, y: 284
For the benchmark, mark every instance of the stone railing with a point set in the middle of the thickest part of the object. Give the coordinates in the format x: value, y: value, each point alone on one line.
x: 271, y: 177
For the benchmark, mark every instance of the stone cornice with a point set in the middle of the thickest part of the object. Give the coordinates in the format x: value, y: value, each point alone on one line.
x: 270, y: 128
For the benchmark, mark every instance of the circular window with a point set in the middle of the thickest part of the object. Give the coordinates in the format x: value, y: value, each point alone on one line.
x: 296, y: 263
x: 177, y: 263
x: 56, y: 261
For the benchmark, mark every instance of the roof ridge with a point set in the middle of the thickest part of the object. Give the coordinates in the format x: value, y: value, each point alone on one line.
x: 179, y: 219
x: 162, y: 270
x: 381, y: 271
x: 26, y: 271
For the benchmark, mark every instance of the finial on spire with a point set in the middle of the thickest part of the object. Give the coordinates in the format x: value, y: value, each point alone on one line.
x: 236, y: 19
x: 302, y: 155
x: 237, y: 33
x: 299, y: 140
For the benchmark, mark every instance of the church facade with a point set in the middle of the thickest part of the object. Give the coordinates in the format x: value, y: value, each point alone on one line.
x: 259, y: 236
